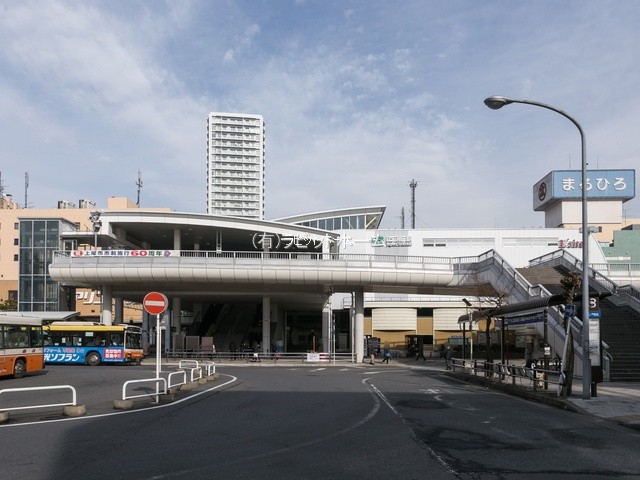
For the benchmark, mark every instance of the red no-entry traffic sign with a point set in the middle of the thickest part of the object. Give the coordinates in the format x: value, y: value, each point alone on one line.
x: 155, y: 303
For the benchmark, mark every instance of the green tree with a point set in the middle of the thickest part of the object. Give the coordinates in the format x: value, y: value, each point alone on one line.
x: 9, y: 304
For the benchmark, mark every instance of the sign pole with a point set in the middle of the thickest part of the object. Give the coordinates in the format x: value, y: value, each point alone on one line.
x: 158, y: 356
x: 156, y: 303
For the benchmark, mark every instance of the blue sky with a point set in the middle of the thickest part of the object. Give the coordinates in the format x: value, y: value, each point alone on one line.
x: 359, y: 98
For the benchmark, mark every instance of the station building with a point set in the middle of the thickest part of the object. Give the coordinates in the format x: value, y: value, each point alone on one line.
x: 324, y: 280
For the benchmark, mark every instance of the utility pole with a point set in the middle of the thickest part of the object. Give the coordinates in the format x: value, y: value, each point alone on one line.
x: 402, y: 218
x: 139, y: 184
x: 413, y: 186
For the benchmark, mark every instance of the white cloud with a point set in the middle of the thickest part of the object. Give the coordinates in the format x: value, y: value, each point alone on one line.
x: 357, y: 101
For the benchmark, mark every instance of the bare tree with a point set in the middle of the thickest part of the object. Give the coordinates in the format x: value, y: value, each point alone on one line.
x: 488, y: 297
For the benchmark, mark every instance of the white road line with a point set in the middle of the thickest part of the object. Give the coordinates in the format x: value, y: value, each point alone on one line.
x: 441, y: 460
x: 146, y: 409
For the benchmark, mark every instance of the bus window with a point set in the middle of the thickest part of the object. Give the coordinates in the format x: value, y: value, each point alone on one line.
x: 1, y: 336
x: 18, y: 336
x: 36, y: 337
x: 78, y: 339
x: 134, y: 340
x: 116, y: 339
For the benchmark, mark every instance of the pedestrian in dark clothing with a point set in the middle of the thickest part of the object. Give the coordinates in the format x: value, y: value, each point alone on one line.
x: 421, y: 350
x: 386, y: 353
x: 448, y: 356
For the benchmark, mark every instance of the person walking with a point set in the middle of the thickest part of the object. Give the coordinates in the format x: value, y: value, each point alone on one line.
x: 386, y: 353
x: 448, y: 356
x: 421, y: 350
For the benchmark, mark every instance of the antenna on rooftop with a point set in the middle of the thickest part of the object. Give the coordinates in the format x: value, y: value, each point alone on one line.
x: 1, y: 187
x: 139, y: 184
x: 402, y: 218
x: 26, y: 189
x: 413, y: 186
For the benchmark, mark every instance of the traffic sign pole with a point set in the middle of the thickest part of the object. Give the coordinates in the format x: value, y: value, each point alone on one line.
x: 156, y: 303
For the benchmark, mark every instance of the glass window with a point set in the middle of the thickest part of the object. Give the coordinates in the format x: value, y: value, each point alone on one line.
x: 36, y: 337
x: 2, y: 328
x: 38, y: 288
x: 39, y: 261
x: 17, y: 336
x: 322, y: 224
x: 53, y: 233
x: 26, y: 234
x: 116, y: 339
x: 52, y: 290
x: 26, y: 258
x: 25, y: 288
x: 360, y: 221
x: 353, y: 222
x: 39, y: 232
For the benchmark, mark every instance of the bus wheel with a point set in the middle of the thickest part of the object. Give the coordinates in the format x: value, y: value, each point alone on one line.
x: 93, y: 359
x: 19, y: 369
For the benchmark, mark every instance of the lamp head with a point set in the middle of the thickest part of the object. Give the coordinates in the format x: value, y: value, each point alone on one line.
x: 497, y: 101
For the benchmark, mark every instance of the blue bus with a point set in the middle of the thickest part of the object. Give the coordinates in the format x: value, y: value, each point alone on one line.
x: 90, y: 343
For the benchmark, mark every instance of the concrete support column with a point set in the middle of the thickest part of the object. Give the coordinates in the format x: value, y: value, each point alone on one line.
x: 176, y: 316
x: 107, y: 307
x: 266, y: 324
x: 146, y: 340
x: 358, y: 334
x: 165, y: 319
x: 119, y: 311
x: 176, y: 239
x: 326, y: 326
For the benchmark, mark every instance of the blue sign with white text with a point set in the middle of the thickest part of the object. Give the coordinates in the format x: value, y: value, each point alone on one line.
x: 567, y: 185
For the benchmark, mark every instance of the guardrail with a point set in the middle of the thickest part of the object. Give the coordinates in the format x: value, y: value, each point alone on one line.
x: 210, y: 368
x: 535, y: 378
x: 248, y: 356
x: 52, y: 387
x: 184, y: 379
x: 161, y: 380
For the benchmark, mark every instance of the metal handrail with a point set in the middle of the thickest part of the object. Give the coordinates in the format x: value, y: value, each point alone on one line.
x: 51, y: 387
x: 161, y: 380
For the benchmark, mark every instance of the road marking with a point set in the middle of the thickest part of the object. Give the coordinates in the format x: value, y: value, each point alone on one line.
x: 441, y: 460
x: 270, y: 453
x: 91, y: 417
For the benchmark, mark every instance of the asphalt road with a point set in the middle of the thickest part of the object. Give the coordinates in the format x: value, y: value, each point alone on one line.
x: 305, y: 422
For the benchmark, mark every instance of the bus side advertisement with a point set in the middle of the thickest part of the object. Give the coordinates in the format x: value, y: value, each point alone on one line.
x: 79, y: 354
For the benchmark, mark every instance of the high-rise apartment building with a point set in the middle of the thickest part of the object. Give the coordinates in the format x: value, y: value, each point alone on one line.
x: 235, y: 165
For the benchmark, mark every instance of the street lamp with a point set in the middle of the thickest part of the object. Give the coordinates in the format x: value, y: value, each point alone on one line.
x: 97, y: 223
x: 495, y: 102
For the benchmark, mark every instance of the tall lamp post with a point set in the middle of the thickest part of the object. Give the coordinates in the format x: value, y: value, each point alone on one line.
x: 495, y: 102
x: 96, y: 223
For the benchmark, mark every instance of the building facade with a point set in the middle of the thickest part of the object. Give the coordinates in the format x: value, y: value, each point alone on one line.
x: 235, y: 165
x: 28, y: 238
